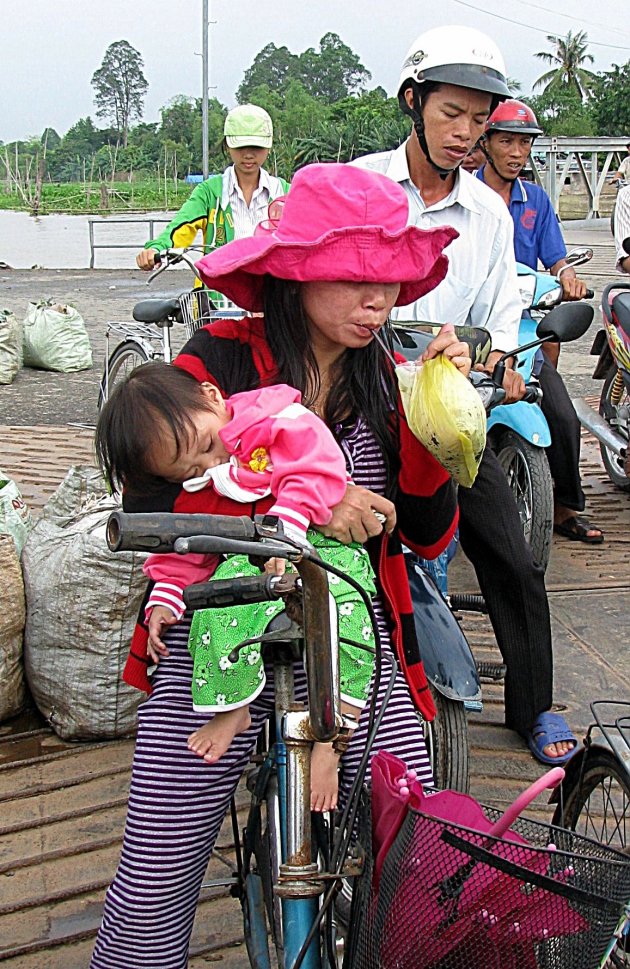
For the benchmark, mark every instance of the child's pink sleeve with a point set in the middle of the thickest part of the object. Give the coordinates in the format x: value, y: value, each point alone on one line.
x: 171, y: 573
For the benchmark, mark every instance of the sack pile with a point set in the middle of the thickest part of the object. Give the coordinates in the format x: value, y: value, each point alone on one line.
x: 55, y: 338
x: 82, y: 603
x: 12, y: 614
x: 10, y: 346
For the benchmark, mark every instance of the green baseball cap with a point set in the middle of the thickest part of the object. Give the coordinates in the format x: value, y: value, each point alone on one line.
x: 248, y: 125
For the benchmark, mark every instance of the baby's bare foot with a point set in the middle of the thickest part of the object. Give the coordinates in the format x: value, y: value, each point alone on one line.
x: 324, y: 778
x: 213, y: 740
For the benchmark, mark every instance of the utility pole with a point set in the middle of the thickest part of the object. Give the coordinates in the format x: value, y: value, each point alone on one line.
x: 204, y: 87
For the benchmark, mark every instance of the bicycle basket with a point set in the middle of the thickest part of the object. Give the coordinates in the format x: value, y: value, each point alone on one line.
x: 449, y: 897
x: 199, y: 307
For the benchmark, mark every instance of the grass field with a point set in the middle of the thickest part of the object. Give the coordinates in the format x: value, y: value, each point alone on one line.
x: 78, y: 198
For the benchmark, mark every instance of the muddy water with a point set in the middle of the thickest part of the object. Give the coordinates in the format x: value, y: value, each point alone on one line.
x: 63, y: 242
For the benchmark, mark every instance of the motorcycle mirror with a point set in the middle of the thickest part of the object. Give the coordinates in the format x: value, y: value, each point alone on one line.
x: 565, y: 323
x: 579, y: 255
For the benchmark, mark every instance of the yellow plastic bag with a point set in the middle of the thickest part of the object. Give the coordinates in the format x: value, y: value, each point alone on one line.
x: 445, y: 413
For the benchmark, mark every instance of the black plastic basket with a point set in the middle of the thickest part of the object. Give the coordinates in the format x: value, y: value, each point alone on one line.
x: 453, y: 898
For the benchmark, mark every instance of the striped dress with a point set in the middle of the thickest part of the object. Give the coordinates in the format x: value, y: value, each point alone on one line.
x: 177, y: 801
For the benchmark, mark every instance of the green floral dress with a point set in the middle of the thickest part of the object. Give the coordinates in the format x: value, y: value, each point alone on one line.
x: 221, y: 685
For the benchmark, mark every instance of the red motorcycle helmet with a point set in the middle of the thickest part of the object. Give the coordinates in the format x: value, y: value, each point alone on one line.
x: 513, y: 116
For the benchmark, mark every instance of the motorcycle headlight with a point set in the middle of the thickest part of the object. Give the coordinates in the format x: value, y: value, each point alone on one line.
x: 547, y: 300
x: 527, y: 288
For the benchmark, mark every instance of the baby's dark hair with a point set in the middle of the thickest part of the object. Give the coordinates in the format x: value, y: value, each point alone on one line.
x: 154, y: 395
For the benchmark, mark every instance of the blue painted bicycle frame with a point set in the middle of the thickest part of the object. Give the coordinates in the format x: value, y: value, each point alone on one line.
x: 298, y: 914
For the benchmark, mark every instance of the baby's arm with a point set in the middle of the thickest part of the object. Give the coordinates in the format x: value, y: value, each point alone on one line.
x: 171, y: 574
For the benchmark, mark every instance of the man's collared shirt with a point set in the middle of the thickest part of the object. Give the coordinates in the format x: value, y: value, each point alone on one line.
x: 537, y: 234
x: 246, y: 217
x: 622, y: 224
x: 480, y: 287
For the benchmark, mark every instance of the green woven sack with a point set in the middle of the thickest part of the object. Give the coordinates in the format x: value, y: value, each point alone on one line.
x: 55, y: 338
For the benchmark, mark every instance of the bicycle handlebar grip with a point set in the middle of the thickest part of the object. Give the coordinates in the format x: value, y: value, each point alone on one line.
x: 220, y: 593
x: 532, y: 395
x: 589, y: 294
x: 158, y: 531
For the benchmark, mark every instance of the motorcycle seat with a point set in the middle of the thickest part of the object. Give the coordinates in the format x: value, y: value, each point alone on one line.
x: 621, y: 309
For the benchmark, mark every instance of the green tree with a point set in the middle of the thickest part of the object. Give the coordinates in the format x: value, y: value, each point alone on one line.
x: 334, y: 71
x: 611, y: 103
x: 273, y: 67
x: 568, y: 59
x: 120, y: 87
x: 562, y: 112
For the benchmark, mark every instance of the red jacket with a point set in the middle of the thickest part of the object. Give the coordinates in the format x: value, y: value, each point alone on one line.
x: 234, y: 355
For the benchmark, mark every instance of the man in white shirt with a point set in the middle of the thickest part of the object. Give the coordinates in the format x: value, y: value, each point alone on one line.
x: 451, y: 80
x: 622, y: 228
x: 623, y: 172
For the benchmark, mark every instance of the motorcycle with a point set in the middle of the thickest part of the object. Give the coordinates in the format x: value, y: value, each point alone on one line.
x: 446, y: 655
x: 518, y: 433
x: 611, y: 425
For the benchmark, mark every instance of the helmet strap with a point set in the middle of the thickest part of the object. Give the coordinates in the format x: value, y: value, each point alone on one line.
x: 415, y: 113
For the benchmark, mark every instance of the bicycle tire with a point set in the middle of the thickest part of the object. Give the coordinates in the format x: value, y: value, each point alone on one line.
x: 266, y: 857
x: 123, y: 359
x: 596, y: 804
x: 448, y: 744
x: 527, y: 470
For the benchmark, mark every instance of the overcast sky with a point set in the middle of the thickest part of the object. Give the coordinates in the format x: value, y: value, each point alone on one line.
x: 49, y: 49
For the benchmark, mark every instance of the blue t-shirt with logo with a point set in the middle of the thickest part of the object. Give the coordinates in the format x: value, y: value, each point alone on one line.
x: 537, y: 234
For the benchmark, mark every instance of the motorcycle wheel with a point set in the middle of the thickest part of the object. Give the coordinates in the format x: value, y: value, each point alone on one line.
x: 527, y: 471
x: 448, y: 744
x: 612, y: 462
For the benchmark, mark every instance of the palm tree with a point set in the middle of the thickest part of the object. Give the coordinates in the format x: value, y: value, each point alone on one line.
x: 569, y: 57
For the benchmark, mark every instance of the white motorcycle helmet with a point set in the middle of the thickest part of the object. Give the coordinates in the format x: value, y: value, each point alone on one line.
x: 451, y: 55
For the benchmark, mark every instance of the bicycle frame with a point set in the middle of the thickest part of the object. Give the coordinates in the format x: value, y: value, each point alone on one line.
x: 299, y: 883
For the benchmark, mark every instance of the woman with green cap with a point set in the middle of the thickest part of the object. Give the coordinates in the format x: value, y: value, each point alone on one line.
x: 227, y: 206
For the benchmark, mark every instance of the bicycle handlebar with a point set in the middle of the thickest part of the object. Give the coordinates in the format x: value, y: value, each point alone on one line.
x: 239, y: 591
x: 158, y: 531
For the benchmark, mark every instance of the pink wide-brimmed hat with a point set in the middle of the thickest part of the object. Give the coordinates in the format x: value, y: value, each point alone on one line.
x: 337, y: 223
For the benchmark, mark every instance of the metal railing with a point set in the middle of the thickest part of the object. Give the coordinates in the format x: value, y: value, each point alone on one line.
x: 150, y: 221
x: 554, y: 159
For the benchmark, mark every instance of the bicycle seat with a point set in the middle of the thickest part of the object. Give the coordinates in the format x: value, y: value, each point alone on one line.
x: 164, y: 311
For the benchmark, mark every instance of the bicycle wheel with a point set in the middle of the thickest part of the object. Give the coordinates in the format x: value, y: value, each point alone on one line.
x: 447, y: 740
x: 597, y: 805
x: 527, y: 470
x: 124, y: 358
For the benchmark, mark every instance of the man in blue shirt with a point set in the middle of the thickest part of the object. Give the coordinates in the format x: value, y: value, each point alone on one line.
x: 509, y: 134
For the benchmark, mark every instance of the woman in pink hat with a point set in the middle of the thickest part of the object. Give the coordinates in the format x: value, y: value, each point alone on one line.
x: 324, y: 272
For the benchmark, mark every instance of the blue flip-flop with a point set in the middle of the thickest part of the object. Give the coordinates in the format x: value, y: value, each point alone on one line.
x: 550, y: 728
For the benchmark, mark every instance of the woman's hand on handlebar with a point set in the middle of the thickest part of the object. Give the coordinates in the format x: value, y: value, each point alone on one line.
x: 355, y: 519
x: 159, y: 620
x: 145, y: 259
x: 446, y: 343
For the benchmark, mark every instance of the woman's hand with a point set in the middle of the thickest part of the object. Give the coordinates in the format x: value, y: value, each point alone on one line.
x: 453, y: 349
x: 159, y: 620
x: 354, y: 518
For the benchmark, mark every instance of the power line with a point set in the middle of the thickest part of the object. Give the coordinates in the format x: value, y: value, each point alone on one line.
x: 539, y: 30
x: 571, y: 17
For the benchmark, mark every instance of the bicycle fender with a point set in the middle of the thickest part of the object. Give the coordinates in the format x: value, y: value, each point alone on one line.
x: 255, y: 924
x: 446, y: 655
x: 525, y: 419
